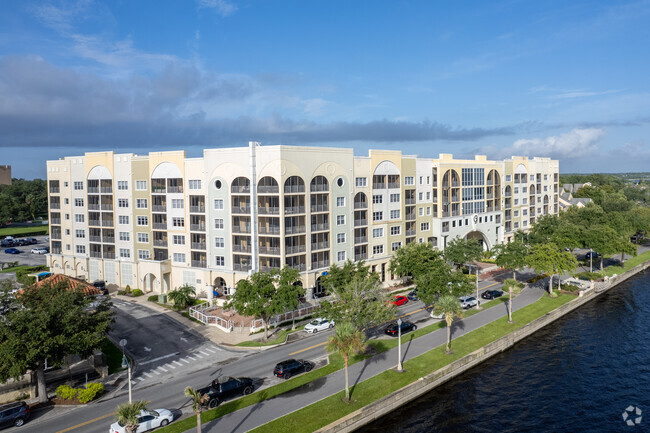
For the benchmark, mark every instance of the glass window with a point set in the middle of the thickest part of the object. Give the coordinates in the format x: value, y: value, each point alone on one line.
x: 125, y: 236
x: 395, y: 246
x: 144, y: 254
x: 378, y: 249
x: 220, y: 261
x: 179, y: 257
x: 122, y: 202
x: 177, y: 203
x: 81, y: 249
x: 122, y: 185
x: 394, y: 198
x: 361, y: 181
x: 218, y: 204
x: 219, y: 242
x: 142, y: 221
x: 395, y: 230
x: 143, y: 238
x: 194, y: 184
x: 340, y: 238
x: 78, y: 202
x: 394, y: 214
x: 378, y: 233
x: 125, y: 253
x: 140, y: 185
x: 340, y: 201
x: 141, y: 203
x: 178, y: 240
x: 424, y: 227
x: 178, y: 222
x: 409, y: 180
x: 78, y: 186
x: 377, y: 216
x: 340, y: 220
x: 123, y: 219
x: 79, y: 218
x: 218, y: 223
x: 377, y: 199
x: 80, y: 233
x: 340, y: 256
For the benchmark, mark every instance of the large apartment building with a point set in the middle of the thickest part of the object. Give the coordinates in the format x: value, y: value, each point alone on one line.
x: 159, y: 221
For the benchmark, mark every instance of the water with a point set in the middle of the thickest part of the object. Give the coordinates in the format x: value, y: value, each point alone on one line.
x: 577, y: 375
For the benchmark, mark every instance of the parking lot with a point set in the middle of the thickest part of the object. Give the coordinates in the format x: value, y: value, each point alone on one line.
x: 26, y: 257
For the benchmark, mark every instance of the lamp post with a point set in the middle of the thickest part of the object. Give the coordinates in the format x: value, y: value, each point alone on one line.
x: 127, y: 364
x: 399, y: 344
x: 591, y: 260
x: 478, y: 302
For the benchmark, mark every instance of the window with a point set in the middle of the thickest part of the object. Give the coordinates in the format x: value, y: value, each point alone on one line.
x: 378, y: 249
x: 79, y: 218
x: 142, y: 220
x: 67, y: 216
x: 395, y: 230
x: 218, y: 204
x: 341, y: 254
x: 81, y: 249
x: 508, y: 178
x: 178, y: 240
x: 219, y: 242
x: 78, y: 186
x: 122, y: 202
x: 178, y: 222
x: 340, y: 238
x: 409, y: 180
x: 420, y: 180
x: 144, y: 254
x: 429, y: 210
x: 66, y: 201
x: 67, y: 247
x: 80, y: 233
x: 377, y: 199
x: 340, y: 220
x: 394, y: 198
x: 524, y: 201
x: 421, y: 210
x: 67, y: 232
x: 340, y: 201
x: 177, y: 203
x: 524, y: 189
x: 78, y: 202
x: 125, y: 236
x: 395, y: 246
x: 377, y: 216
x: 141, y: 203
x: 219, y: 261
x: 179, y: 257
x: 516, y: 225
x: 194, y: 183
x: 218, y: 223
x: 516, y: 201
x: 123, y: 219
x: 424, y: 227
x: 516, y: 213
x: 361, y: 181
x: 125, y: 253
x: 524, y: 212
x: 428, y: 180
x: 420, y: 196
x: 140, y: 185
x: 378, y: 233
x: 122, y: 185
x: 143, y: 238
x: 394, y: 214
x: 428, y: 195
x: 546, y: 177
x: 532, y: 177
x: 516, y: 190
x: 524, y: 223
x: 65, y: 184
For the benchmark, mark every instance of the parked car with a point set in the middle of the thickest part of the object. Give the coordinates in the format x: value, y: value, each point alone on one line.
x: 101, y: 285
x: 12, y: 251
x: 39, y: 251
x: 31, y: 241
x: 14, y: 414
x: 319, y: 324
x: 290, y: 367
x: 406, y: 327
x: 468, y: 302
x: 7, y: 243
x: 591, y: 255
x: 491, y: 294
x: 413, y: 295
x: 400, y: 300
x: 147, y: 420
x: 226, y: 387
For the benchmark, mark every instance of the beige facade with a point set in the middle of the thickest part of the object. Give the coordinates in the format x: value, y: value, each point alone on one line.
x: 5, y: 175
x: 159, y: 221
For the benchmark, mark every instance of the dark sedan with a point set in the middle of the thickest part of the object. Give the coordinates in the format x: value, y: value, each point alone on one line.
x: 413, y: 295
x: 491, y: 294
x: 226, y: 387
x: 406, y: 327
x: 290, y: 367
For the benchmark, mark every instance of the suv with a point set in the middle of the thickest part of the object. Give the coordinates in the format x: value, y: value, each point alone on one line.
x: 225, y: 387
x: 468, y: 302
x: 101, y: 285
x: 288, y: 368
x: 14, y: 414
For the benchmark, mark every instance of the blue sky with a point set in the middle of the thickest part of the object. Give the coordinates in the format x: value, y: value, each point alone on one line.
x: 562, y: 79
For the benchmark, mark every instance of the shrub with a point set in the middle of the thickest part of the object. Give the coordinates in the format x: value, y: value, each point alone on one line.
x: 153, y: 298
x: 66, y: 392
x: 121, y: 292
x: 92, y: 391
x: 537, y: 278
x: 127, y: 289
x: 587, y: 276
x: 137, y: 292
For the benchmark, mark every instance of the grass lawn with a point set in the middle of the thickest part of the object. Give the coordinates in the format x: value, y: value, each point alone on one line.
x: 14, y: 269
x: 629, y: 264
x: 17, y: 231
x: 332, y: 408
x: 281, y: 338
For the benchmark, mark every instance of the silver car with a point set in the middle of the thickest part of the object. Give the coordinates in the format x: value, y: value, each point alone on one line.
x: 319, y: 324
x: 468, y: 302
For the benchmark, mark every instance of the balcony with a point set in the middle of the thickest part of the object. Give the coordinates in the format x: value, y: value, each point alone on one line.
x: 320, y: 227
x: 300, y: 267
x: 360, y: 239
x: 54, y: 190
x: 319, y: 208
x: 55, y: 221
x: 445, y: 229
x: 320, y: 246
x: 362, y: 256
x: 361, y: 205
x: 273, y: 230
x: 241, y: 209
x: 159, y: 226
x: 93, y: 190
x: 198, y: 246
x: 107, y: 207
x: 291, y: 210
x: 241, y: 267
x: 109, y: 255
x: 268, y: 189
x: 296, y: 250
x: 96, y: 254
x: 409, y: 201
x: 158, y: 190
x: 176, y: 189
x: 240, y: 229
x: 292, y: 230
x: 56, y: 250
x: 318, y: 187
x: 197, y: 209
x: 289, y: 189
x: 361, y: 222
x: 393, y: 185
x: 107, y: 190
x: 93, y: 223
x: 379, y: 186
x: 410, y: 216
x: 240, y: 189
x: 274, y: 251
x: 241, y: 249
x: 320, y: 264
x: 197, y: 227
x: 265, y: 268
x: 159, y: 208
x: 160, y: 243
x: 107, y: 223
x: 199, y: 264
x: 108, y: 239
x: 268, y: 210
x: 55, y: 205
x: 93, y: 206
x: 410, y: 233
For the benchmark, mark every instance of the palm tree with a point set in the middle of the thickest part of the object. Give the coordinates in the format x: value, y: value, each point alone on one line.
x: 512, y: 286
x: 182, y: 297
x: 127, y: 415
x: 347, y: 340
x: 450, y: 307
x: 198, y: 400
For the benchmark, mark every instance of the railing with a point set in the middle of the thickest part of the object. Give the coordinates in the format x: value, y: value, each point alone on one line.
x: 106, y: 190
x: 288, y: 189
x: 93, y: 206
x: 379, y: 185
x: 296, y: 249
x: 361, y: 205
x: 55, y: 221
x: 107, y: 207
x: 93, y: 222
x: 241, y: 209
x: 96, y: 254
x: 159, y: 226
x: 410, y: 233
x: 265, y: 189
x: 198, y: 246
x: 435, y: 198
x: 409, y: 201
x: 56, y: 235
x: 362, y: 256
x: 320, y: 245
x: 360, y: 222
x: 241, y: 248
x: 291, y: 230
x: 273, y: 230
x: 159, y: 208
x: 107, y: 223
x: 318, y: 187
x: 199, y: 264
x: 54, y: 190
x: 238, y: 229
x: 197, y: 209
x: 320, y: 264
x: 240, y: 267
x: 109, y: 255
x: 172, y: 189
x: 197, y: 227
x: 108, y: 239
x: 393, y: 184
x: 319, y: 208
x: 445, y: 229
x: 93, y: 190
x: 55, y: 205
x: 158, y: 189
x: 275, y: 251
x: 289, y: 210
x: 489, y: 182
x: 199, y: 313
x: 159, y: 243
x: 410, y: 216
x: 360, y: 239
x: 240, y: 189
x: 56, y: 250
x: 320, y: 227
x: 268, y: 210
x: 299, y: 266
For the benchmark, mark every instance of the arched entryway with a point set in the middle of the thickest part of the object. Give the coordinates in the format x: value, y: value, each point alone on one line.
x: 149, y: 282
x: 319, y: 289
x: 220, y: 286
x: 480, y: 237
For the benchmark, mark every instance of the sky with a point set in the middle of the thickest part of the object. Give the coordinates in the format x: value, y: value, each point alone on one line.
x: 566, y: 80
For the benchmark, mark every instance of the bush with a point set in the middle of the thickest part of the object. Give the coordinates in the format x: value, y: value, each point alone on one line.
x: 127, y: 289
x: 66, y: 392
x: 121, y: 292
x: 137, y: 292
x: 588, y: 276
x: 537, y: 278
x: 153, y: 298
x: 92, y: 391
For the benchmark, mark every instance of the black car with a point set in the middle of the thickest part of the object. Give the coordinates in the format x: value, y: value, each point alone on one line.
x: 413, y: 295
x: 101, y: 285
x: 7, y: 243
x: 406, y: 327
x: 491, y: 294
x: 591, y: 255
x: 14, y: 414
x: 288, y: 368
x: 226, y: 387
x: 31, y: 241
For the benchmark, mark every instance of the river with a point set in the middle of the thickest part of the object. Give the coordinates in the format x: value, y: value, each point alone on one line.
x: 578, y: 374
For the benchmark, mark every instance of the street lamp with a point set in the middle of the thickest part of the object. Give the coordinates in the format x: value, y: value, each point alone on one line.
x: 399, y: 344
x: 478, y: 302
x: 126, y: 364
x: 591, y: 260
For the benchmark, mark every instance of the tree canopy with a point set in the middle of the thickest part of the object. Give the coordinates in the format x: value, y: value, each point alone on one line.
x: 511, y: 255
x: 461, y: 251
x: 255, y: 296
x: 23, y: 200
x: 414, y: 259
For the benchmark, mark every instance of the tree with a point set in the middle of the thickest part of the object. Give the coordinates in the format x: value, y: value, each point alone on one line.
x: 461, y: 251
x: 198, y: 400
x: 23, y: 200
x: 602, y: 239
x: 547, y: 258
x: 182, y: 297
x: 127, y: 415
x: 511, y: 256
x: 441, y: 280
x: 543, y: 229
x: 340, y: 277
x: 255, y: 297
x: 53, y: 322
x: 288, y: 292
x: 568, y: 235
x: 414, y: 259
x: 346, y: 341
x: 512, y: 286
x: 450, y: 307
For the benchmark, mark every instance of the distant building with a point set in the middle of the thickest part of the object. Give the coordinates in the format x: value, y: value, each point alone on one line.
x: 567, y: 200
x: 574, y: 187
x: 5, y: 175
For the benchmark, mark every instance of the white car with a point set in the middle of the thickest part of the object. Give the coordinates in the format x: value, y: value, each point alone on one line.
x: 319, y: 324
x: 39, y: 251
x: 468, y: 302
x: 148, y: 420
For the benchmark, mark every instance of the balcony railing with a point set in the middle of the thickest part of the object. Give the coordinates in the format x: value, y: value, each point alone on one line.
x: 410, y: 233
x: 320, y: 245
x: 198, y: 246
x: 361, y: 205
x: 107, y: 190
x: 93, y: 206
x: 296, y: 249
x: 54, y: 190
x: 288, y: 189
x: 241, y: 267
x: 265, y: 189
x: 318, y: 187
x: 268, y: 210
x: 160, y: 243
x: 93, y: 190
x: 108, y: 239
x: 290, y: 210
x: 107, y: 207
x: 109, y: 255
x: 360, y: 222
x: 241, y: 209
x: 241, y: 248
x: 240, y: 229
x: 159, y: 208
x: 158, y: 189
x: 55, y: 221
x: 379, y: 186
x: 55, y: 205
x: 159, y: 226
x: 197, y: 227
x: 93, y: 222
x: 445, y: 229
x: 197, y: 209
x: 96, y: 254
x: 360, y: 239
x: 174, y: 189
x: 199, y: 264
x: 273, y: 230
x: 292, y: 230
x: 56, y: 250
x: 409, y: 201
x: 393, y: 185
x: 410, y: 216
x: 320, y: 227
x: 240, y: 189
x: 270, y: 250
x: 299, y: 266
x: 267, y: 268
x: 319, y: 208
x: 362, y: 256
x: 107, y: 223
x: 320, y: 264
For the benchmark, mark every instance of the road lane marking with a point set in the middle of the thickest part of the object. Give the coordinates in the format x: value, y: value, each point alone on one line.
x: 176, y: 362
x: 161, y: 368
x: 158, y: 359
x: 196, y: 354
x: 309, y: 348
x: 205, y: 353
x: 86, y: 423
x: 185, y: 360
x: 156, y: 371
x: 193, y: 359
x: 169, y: 365
x: 147, y: 374
x: 140, y: 378
x: 210, y: 350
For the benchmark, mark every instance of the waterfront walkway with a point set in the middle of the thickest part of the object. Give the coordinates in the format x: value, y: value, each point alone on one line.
x: 256, y: 415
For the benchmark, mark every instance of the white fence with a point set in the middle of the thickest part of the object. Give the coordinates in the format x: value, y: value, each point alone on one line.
x: 302, y: 311
x: 199, y: 313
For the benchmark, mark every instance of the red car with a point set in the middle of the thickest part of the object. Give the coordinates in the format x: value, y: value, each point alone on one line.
x: 400, y: 300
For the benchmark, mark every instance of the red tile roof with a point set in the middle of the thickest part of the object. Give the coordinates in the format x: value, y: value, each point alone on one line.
x: 73, y: 283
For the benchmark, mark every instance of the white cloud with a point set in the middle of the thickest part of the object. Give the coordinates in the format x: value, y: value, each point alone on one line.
x: 575, y: 143
x: 223, y: 7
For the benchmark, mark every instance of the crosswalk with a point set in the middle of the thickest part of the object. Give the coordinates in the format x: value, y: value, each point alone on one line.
x: 173, y: 365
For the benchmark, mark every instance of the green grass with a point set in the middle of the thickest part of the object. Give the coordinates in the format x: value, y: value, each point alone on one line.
x: 281, y: 338
x: 14, y: 269
x: 332, y: 408
x: 629, y: 264
x: 113, y: 356
x: 17, y: 231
